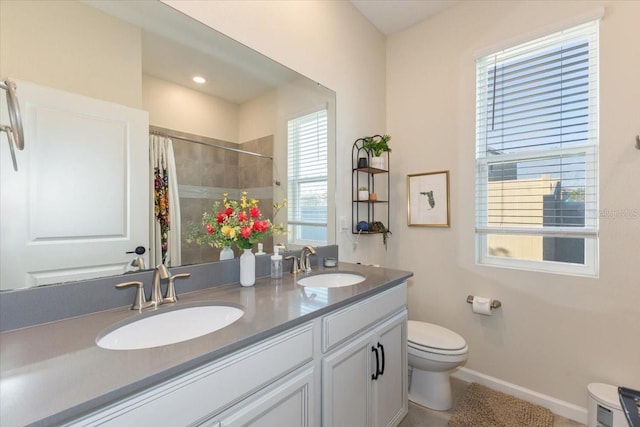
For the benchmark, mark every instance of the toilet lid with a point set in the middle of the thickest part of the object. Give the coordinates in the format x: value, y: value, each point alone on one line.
x: 433, y: 336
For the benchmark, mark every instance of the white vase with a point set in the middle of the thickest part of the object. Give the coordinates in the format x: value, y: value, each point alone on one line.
x: 247, y: 268
x: 377, y: 162
x: 226, y: 253
x: 363, y: 195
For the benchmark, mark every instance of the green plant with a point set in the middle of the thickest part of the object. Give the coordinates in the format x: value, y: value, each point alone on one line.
x: 377, y: 144
x: 363, y: 189
x: 379, y: 227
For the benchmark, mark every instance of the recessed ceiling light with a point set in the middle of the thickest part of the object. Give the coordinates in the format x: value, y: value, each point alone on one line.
x: 199, y: 79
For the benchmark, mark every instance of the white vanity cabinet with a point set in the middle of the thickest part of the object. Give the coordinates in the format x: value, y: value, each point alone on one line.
x: 346, y: 368
x: 364, y: 369
x: 273, y: 378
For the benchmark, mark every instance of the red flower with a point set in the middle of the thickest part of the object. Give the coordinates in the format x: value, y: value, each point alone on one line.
x: 228, y: 211
x: 246, y: 232
x: 254, y: 212
x: 261, y: 226
x: 242, y: 216
x: 220, y: 217
x: 209, y: 229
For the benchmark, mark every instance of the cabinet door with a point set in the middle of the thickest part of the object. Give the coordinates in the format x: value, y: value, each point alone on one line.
x: 288, y: 404
x: 390, y: 388
x: 346, y: 385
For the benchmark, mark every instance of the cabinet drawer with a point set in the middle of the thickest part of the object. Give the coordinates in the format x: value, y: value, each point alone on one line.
x: 287, y: 402
x: 339, y: 326
x: 216, y: 386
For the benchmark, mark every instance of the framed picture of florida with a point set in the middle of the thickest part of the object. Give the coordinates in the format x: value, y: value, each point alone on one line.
x: 428, y: 199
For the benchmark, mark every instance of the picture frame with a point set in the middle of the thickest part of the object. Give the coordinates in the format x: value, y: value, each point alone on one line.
x: 428, y: 199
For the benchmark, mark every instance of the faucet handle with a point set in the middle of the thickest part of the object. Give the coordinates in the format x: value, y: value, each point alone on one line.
x: 138, y: 262
x: 171, y: 295
x: 141, y: 301
x: 295, y: 268
x: 163, y: 271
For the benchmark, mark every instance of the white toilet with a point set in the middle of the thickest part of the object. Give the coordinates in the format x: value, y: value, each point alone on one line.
x: 433, y: 352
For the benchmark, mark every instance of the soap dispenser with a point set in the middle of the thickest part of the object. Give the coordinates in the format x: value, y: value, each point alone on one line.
x: 276, y: 263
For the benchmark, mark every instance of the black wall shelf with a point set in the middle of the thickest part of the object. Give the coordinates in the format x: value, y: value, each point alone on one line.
x: 374, y: 180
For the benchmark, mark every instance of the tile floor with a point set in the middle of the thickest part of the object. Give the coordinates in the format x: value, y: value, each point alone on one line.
x: 419, y: 416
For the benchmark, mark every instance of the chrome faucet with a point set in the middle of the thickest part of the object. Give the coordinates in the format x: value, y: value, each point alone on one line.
x: 305, y: 262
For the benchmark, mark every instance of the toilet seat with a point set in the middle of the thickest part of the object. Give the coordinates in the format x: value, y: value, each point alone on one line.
x: 435, y: 339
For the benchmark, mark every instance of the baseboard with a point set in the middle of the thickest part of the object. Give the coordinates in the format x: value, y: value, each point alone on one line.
x: 557, y: 406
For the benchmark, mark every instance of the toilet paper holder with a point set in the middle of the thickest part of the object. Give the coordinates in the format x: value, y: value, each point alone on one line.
x: 494, y: 302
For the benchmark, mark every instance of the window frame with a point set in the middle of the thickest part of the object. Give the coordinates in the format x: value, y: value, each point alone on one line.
x: 589, y: 232
x: 293, y: 235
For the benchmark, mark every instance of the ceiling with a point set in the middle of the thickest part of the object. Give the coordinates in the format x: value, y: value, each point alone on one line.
x: 391, y: 16
x: 176, y: 47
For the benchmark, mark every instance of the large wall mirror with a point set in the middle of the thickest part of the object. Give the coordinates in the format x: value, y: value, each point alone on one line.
x: 136, y: 59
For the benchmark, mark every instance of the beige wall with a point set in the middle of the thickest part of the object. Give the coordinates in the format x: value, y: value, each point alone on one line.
x: 176, y: 107
x: 39, y: 43
x: 554, y: 333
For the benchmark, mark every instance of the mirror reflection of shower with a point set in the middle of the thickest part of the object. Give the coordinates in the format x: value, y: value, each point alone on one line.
x: 206, y: 169
x: 15, y: 134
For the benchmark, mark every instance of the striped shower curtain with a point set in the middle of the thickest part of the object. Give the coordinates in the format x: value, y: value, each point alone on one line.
x: 165, y: 222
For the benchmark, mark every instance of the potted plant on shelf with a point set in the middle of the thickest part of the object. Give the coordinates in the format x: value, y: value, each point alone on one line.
x: 376, y: 145
x: 363, y: 194
x: 379, y: 227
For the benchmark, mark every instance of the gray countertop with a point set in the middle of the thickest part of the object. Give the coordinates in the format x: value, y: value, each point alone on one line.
x: 55, y: 371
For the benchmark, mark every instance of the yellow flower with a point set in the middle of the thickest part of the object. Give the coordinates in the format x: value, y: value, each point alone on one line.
x: 228, y: 231
x: 243, y: 200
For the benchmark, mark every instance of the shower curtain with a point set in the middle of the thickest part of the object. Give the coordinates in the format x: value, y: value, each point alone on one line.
x: 165, y: 228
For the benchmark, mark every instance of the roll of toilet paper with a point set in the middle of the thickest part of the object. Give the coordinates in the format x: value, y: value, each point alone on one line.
x: 482, y: 305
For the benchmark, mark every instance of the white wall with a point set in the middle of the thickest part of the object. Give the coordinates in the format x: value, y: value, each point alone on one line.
x: 327, y: 41
x: 554, y: 334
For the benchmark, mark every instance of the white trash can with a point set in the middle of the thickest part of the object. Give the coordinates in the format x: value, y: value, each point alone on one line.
x: 604, y: 406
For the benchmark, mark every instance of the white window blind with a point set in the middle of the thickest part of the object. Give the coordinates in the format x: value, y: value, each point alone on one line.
x: 537, y: 151
x: 307, y: 178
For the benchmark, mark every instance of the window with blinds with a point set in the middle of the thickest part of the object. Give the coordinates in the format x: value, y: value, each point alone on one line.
x: 537, y: 154
x: 307, y: 178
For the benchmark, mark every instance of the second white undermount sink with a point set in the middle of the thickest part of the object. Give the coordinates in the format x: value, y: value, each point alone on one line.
x: 331, y: 280
x: 169, y: 327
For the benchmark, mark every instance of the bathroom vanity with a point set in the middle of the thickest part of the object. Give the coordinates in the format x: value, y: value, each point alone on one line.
x: 299, y: 355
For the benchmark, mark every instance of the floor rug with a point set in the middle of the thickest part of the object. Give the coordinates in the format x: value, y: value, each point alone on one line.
x: 483, y: 407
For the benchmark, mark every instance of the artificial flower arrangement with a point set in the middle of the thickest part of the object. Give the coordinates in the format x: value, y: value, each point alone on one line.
x: 234, y: 222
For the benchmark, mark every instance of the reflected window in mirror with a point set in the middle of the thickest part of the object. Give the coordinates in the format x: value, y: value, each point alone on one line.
x: 307, y: 178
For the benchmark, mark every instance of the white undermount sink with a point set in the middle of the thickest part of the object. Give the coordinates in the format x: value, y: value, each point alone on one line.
x: 331, y: 280
x: 168, y: 327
